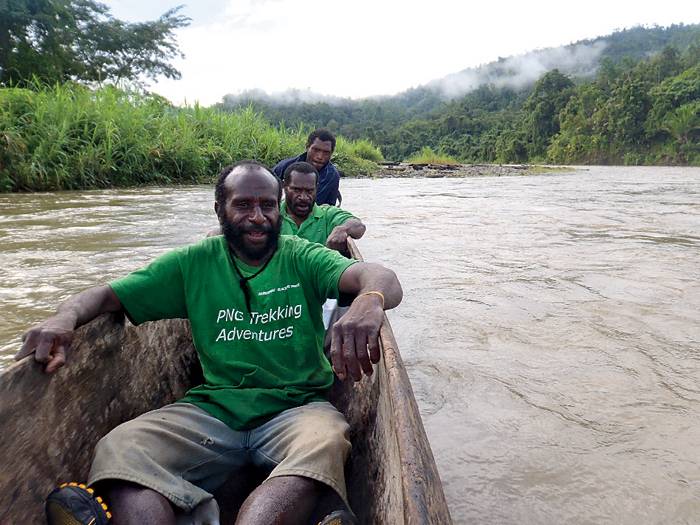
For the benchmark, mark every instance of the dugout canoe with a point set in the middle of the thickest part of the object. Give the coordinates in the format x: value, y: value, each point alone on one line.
x: 50, y: 424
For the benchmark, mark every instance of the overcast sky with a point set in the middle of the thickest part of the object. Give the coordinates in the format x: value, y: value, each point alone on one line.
x: 361, y: 48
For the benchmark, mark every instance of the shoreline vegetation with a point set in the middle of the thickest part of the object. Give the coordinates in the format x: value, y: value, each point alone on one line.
x: 637, y: 103
x: 389, y: 170
x: 69, y: 137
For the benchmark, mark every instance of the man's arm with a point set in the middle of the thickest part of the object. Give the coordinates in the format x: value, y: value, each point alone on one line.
x: 355, y: 337
x: 328, y: 187
x: 278, y: 169
x: 50, y: 340
x: 338, y: 238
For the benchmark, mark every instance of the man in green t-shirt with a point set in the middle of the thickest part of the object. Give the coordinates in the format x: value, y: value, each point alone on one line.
x: 324, y: 224
x: 301, y: 215
x: 254, y: 301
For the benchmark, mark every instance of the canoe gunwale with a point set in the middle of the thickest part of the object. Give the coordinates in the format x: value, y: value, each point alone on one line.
x: 422, y: 494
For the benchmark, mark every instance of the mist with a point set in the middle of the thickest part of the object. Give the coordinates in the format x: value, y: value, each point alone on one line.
x: 516, y: 72
x: 288, y: 97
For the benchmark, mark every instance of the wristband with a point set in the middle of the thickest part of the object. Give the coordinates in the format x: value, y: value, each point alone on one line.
x: 373, y: 292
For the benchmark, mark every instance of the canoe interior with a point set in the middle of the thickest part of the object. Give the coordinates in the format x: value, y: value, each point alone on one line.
x: 50, y: 424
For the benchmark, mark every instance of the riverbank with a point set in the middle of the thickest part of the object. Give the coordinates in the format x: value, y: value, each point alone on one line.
x: 391, y: 170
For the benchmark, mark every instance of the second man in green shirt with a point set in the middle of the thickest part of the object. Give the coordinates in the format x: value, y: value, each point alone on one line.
x: 301, y: 216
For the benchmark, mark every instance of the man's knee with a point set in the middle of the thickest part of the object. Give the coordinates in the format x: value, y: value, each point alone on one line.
x: 323, y: 447
x: 114, y: 441
x: 326, y: 430
x: 335, y: 438
x: 134, y: 503
x: 123, y: 453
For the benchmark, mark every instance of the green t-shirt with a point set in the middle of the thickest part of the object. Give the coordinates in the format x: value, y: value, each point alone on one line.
x: 255, y: 364
x: 318, y: 225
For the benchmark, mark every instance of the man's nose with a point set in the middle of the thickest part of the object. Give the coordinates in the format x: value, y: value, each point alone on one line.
x: 257, y: 215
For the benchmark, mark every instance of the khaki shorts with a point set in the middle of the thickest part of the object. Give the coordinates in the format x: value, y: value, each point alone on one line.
x: 185, y: 454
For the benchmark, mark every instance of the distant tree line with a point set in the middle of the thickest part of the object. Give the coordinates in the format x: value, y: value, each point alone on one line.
x: 641, y: 107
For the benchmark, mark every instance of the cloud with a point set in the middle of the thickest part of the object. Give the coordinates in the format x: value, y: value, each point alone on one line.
x: 580, y: 60
x: 286, y: 97
x: 255, y: 15
x: 367, y: 47
x: 523, y: 70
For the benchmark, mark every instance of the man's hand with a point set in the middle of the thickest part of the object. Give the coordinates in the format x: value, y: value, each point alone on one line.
x: 49, y: 341
x: 355, y: 338
x: 338, y: 239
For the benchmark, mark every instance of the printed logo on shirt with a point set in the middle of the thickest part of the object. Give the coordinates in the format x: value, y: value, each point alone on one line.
x: 279, y: 289
x: 271, y: 315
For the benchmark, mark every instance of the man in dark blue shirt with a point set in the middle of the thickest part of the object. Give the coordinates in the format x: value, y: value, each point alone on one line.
x: 319, y: 148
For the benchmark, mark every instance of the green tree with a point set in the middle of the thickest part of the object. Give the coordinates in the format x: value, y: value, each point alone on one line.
x: 671, y: 94
x: 621, y: 118
x: 60, y: 40
x: 579, y: 138
x: 511, y: 146
x: 682, y: 124
x: 541, y: 111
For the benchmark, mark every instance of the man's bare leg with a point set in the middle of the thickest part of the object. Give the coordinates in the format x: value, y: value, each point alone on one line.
x: 283, y: 500
x: 133, y: 504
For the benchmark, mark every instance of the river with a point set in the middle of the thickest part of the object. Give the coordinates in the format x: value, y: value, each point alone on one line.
x: 550, y: 326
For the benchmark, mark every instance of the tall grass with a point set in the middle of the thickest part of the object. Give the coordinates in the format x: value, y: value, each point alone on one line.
x: 71, y: 137
x: 356, y: 158
x: 428, y: 156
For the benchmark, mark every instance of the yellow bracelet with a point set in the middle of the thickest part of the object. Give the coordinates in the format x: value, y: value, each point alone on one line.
x: 373, y: 292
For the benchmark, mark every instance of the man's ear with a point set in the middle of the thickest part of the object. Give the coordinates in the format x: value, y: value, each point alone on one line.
x: 216, y: 210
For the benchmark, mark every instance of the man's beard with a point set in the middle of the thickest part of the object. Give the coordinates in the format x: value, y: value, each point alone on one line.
x: 297, y: 213
x: 235, y: 237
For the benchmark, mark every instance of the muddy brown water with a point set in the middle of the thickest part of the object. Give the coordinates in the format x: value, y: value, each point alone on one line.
x: 550, y: 327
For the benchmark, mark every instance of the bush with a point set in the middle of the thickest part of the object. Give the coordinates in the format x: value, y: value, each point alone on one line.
x: 428, y: 156
x: 350, y: 164
x: 364, y: 149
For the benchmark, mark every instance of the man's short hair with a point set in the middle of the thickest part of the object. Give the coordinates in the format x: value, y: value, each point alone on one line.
x: 220, y: 190
x: 299, y: 167
x: 323, y: 135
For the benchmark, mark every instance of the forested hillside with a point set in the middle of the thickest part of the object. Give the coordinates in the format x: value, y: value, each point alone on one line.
x: 631, y: 97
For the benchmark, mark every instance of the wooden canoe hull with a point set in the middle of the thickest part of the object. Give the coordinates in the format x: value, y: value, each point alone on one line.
x: 50, y: 424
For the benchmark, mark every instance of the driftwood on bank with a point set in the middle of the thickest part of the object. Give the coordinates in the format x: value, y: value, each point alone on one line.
x: 432, y: 170
x: 115, y: 371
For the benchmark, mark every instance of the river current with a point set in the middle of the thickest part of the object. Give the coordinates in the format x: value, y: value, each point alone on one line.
x: 550, y: 326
